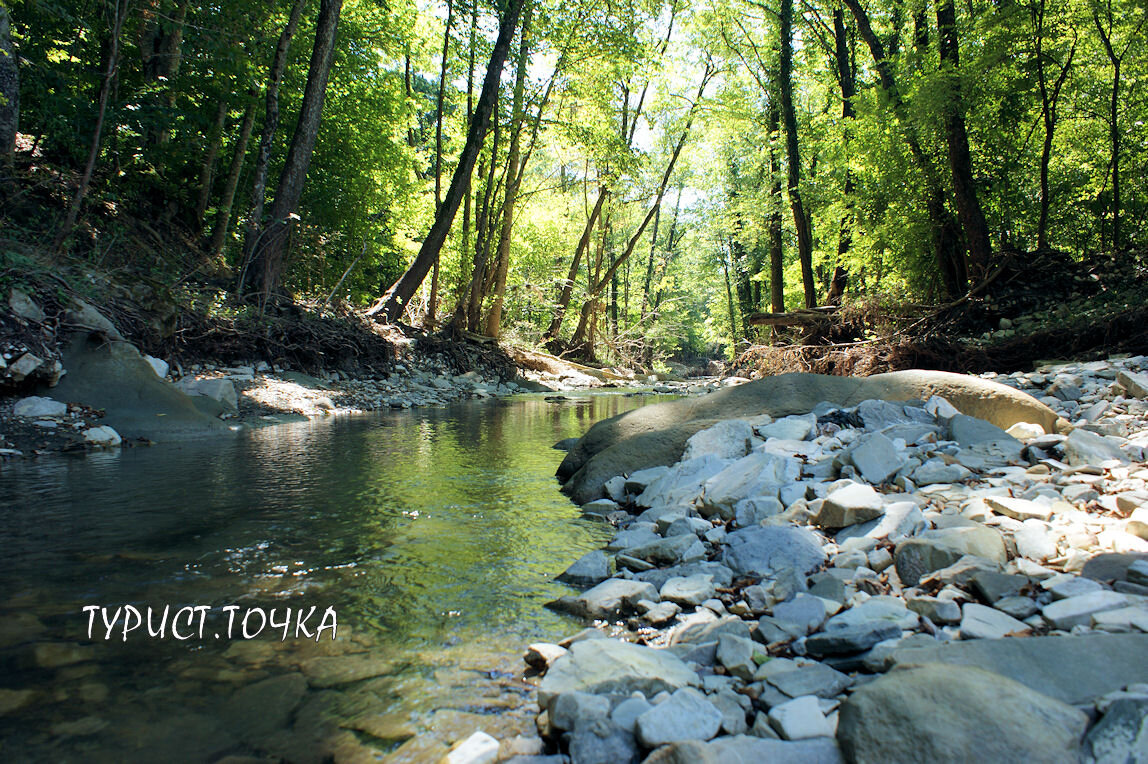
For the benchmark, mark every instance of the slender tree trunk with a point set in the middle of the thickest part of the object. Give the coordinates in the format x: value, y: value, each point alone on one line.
x: 956, y: 136
x: 391, y: 304
x: 568, y: 284
x: 433, y: 302
x: 725, y: 261
x: 465, y: 272
x: 650, y: 263
x: 119, y: 12
x: 951, y: 261
x: 513, y: 181
x: 800, y: 217
x: 1048, y: 106
x: 847, y: 78
x: 207, y: 170
x: 270, y: 255
x: 479, y: 277
x: 254, y: 226
x: 227, y: 201
x: 9, y: 94
x: 1114, y: 113
x: 776, y: 249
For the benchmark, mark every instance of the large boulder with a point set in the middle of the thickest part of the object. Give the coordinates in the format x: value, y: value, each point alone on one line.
x: 656, y: 435
x: 940, y: 548
x: 941, y: 713
x: 115, y: 377
x: 607, y: 665
x: 769, y: 550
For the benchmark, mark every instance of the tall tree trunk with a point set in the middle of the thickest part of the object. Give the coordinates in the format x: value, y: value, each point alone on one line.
x: 1048, y: 105
x: 568, y: 284
x: 956, y: 136
x: 650, y: 263
x: 725, y: 261
x: 943, y: 231
x: 9, y: 94
x: 513, y: 182
x: 465, y: 271
x: 433, y: 302
x: 254, y: 225
x: 847, y: 78
x: 269, y: 256
x: 210, y: 158
x: 119, y: 12
x: 776, y: 248
x: 479, y: 277
x: 227, y: 201
x: 800, y: 216
x: 391, y: 304
x: 162, y: 48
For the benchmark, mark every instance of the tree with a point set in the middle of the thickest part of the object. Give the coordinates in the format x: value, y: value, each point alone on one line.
x: 9, y: 93
x: 271, y: 248
x: 390, y: 306
x: 793, y: 157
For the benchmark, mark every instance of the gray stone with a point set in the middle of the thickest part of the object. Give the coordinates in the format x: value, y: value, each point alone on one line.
x: 626, y: 713
x: 681, y: 483
x: 901, y: 519
x: 970, y: 432
x: 805, y: 612
x: 1121, y: 735
x: 937, y: 470
x: 730, y: 705
x: 35, y: 407
x: 814, y: 679
x: 259, y: 709
x: 603, y: 742
x: 941, y: 713
x: 600, y: 507
x: 1019, y: 509
x: 690, y: 590
x: 218, y: 389
x: 937, y: 549
x: 1017, y: 607
x: 571, y: 709
x: 794, y: 427
x: 743, y: 749
x: 24, y: 366
x: 767, y: 550
x: 1073, y: 669
x: 1138, y: 573
x: 993, y: 586
x: 541, y: 654
x: 878, y: 414
x: 1112, y: 566
x: 1136, y: 385
x: 876, y: 458
x: 640, y: 480
x: 753, y: 510
x: 83, y: 316
x: 669, y: 551
x: 938, y: 611
x: 637, y: 535
x: 606, y: 665
x: 160, y: 367
x: 588, y: 570
x: 851, y: 639
x: 730, y: 439
x: 612, y: 597
x: 23, y: 306
x: 1084, y: 447
x: 882, y: 608
x: 1078, y: 610
x: 102, y: 437
x: 737, y: 655
x: 687, y: 715
x: 616, y: 488
x: 980, y: 622
x: 759, y: 474
x: 848, y: 505
x: 799, y: 719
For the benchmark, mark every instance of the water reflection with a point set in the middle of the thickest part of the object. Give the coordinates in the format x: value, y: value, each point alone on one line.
x: 433, y: 534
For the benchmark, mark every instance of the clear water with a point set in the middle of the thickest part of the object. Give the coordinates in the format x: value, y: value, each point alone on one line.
x: 434, y: 535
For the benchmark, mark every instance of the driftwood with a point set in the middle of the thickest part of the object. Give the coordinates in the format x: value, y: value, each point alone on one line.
x: 794, y: 318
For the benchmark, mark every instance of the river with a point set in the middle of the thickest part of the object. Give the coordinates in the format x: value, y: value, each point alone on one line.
x: 427, y: 540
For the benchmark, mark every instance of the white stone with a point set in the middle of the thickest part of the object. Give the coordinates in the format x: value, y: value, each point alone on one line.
x: 161, y: 367
x: 941, y: 408
x: 222, y: 390
x: 479, y: 748
x: 688, y: 590
x: 730, y: 439
x: 102, y: 436
x: 24, y: 366
x: 800, y: 718
x: 790, y: 427
x: 1025, y: 430
x: 980, y: 622
x: 1018, y: 509
x: 35, y: 406
x: 1074, y: 611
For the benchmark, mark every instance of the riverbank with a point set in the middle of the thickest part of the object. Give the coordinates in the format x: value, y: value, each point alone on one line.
x: 879, y: 582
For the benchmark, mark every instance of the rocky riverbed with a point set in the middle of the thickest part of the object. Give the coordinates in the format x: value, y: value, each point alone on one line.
x: 892, y: 581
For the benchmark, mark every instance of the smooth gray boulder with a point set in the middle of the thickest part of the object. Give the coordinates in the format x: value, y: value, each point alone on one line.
x: 1121, y: 736
x: 973, y: 433
x: 744, y: 749
x: 603, y: 742
x: 941, y: 713
x: 767, y: 550
x: 729, y: 439
x: 590, y: 569
x: 612, y: 597
x: 937, y: 549
x: 876, y: 458
x: 1074, y: 669
x: 687, y: 715
x: 1084, y: 447
x: 657, y: 434
x: 113, y: 376
x: 607, y: 665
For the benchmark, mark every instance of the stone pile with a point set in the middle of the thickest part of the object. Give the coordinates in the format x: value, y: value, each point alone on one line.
x: 887, y: 582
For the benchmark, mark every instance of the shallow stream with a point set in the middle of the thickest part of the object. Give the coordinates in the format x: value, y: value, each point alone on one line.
x: 433, y: 537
